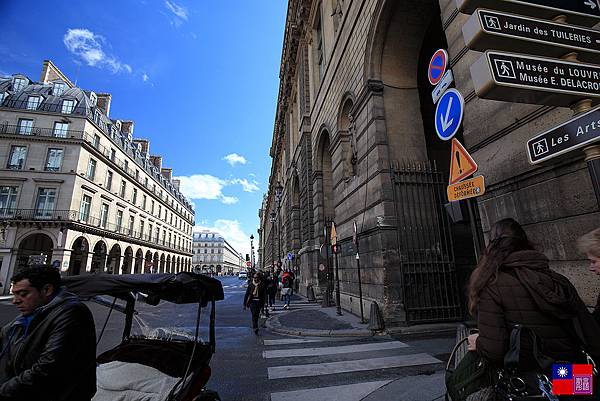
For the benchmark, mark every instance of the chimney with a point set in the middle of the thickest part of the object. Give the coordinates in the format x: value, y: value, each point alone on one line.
x: 50, y: 73
x: 145, y: 144
x: 156, y: 161
x: 167, y: 173
x: 127, y: 127
x: 104, y: 102
x: 176, y: 184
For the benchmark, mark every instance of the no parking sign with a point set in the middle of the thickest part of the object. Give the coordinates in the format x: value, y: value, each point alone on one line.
x: 437, y: 66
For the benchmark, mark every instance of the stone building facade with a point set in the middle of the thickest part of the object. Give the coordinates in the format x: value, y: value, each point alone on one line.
x: 213, y: 254
x: 354, y: 143
x: 78, y: 191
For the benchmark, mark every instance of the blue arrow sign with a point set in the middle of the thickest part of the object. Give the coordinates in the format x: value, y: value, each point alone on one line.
x: 449, y: 114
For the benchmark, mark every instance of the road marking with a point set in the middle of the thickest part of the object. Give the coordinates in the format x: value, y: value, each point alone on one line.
x: 329, y: 368
x: 341, y: 349
x: 349, y: 392
x: 289, y: 341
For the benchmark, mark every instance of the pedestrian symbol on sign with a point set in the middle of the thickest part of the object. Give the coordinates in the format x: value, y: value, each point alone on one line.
x: 540, y: 147
x: 505, y: 69
x: 492, y: 22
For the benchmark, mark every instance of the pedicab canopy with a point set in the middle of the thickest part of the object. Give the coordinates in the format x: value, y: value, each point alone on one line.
x: 180, y: 288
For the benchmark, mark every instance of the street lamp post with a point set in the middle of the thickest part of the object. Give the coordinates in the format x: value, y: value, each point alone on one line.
x: 252, y: 250
x: 272, y: 220
x: 278, y: 192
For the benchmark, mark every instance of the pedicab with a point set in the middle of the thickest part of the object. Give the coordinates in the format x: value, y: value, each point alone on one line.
x: 160, y: 363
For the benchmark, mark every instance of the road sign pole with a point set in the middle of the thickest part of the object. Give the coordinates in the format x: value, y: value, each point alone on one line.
x: 360, y: 295
x: 592, y: 153
x: 337, y: 285
x: 475, y: 233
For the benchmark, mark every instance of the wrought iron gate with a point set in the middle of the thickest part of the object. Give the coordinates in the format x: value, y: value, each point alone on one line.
x: 426, y: 253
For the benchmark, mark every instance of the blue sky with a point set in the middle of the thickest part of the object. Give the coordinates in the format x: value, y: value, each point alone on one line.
x: 199, y: 79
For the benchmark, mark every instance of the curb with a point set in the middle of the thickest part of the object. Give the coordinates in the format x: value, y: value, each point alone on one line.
x: 424, y: 330
x: 273, y: 325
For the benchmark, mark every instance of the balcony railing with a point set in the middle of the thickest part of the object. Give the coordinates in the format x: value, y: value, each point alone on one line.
x: 36, y: 131
x: 74, y: 216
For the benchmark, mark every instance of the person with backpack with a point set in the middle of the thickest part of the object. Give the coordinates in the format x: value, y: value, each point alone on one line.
x: 513, y: 288
x: 287, y: 282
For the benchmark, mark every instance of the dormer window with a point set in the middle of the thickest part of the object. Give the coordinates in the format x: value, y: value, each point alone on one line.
x: 33, y: 102
x: 68, y: 106
x: 19, y: 84
x: 59, y: 88
x: 93, y: 99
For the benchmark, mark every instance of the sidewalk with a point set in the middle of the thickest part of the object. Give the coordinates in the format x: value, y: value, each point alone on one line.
x: 309, y: 319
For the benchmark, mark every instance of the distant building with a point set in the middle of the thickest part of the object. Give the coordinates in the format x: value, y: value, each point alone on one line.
x: 213, y: 254
x: 78, y: 191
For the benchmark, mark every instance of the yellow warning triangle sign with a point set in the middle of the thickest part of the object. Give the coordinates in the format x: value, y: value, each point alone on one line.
x: 462, y: 164
x: 333, y: 234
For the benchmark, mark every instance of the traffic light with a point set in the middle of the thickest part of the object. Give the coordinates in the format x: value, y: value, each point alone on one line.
x: 247, y: 257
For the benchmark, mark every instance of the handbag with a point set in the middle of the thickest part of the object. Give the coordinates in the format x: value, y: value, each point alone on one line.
x: 471, y: 375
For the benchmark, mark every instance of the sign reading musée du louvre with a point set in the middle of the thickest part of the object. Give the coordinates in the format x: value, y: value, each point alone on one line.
x: 537, y: 80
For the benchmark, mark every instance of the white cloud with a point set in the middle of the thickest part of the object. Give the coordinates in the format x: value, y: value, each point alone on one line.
x: 145, y: 77
x: 205, y: 186
x: 229, y: 200
x: 248, y: 186
x: 86, y: 45
x: 234, y: 159
x: 179, y: 12
x: 233, y: 233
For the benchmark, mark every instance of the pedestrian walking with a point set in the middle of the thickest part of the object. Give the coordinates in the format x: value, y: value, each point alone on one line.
x: 255, y: 299
x: 513, y: 285
x: 590, y: 245
x: 286, y: 289
x: 49, y: 350
x: 272, y: 289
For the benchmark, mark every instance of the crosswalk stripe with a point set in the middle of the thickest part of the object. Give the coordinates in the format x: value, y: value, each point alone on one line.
x: 349, y: 392
x: 328, y: 368
x: 342, y: 349
x: 290, y: 341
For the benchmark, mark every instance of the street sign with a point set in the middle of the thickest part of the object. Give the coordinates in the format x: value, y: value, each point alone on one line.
x: 444, y: 84
x: 537, y: 80
x: 581, y: 12
x: 290, y: 256
x: 437, y: 66
x: 487, y: 29
x: 466, y: 189
x: 249, y: 264
x: 449, y: 114
x: 333, y: 234
x: 573, y: 134
x: 461, y: 163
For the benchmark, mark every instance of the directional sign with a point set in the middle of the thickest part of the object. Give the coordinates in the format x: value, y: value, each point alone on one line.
x: 437, y: 66
x: 466, y: 189
x: 487, y: 29
x: 573, y: 134
x: 449, y: 114
x: 581, y: 12
x: 536, y: 80
x: 462, y: 164
x: 444, y: 84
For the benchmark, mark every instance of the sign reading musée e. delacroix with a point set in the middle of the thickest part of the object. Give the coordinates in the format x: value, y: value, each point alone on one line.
x: 538, y: 80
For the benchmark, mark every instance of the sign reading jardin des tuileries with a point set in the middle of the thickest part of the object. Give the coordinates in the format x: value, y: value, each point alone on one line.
x: 538, y: 80
x: 581, y: 12
x: 487, y: 29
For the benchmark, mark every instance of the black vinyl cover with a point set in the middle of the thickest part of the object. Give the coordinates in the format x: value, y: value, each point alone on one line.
x: 180, y: 288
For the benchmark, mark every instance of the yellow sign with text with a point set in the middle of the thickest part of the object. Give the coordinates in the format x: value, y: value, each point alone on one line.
x: 466, y: 189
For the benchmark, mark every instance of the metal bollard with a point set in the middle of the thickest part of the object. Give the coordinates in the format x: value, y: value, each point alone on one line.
x: 376, y: 322
x: 310, y: 293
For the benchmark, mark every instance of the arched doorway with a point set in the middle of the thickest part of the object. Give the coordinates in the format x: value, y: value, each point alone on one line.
x: 79, y: 256
x: 139, y: 262
x: 162, y: 263
x: 155, y: 263
x: 99, y: 257
x: 127, y: 260
x: 114, y: 260
x: 148, y: 262
x: 34, y: 249
x: 168, y: 268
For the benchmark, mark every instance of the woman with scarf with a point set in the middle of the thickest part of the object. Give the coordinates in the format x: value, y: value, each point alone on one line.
x: 513, y: 284
x: 255, y: 299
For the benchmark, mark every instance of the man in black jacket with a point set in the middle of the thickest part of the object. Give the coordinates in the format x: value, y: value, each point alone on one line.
x: 49, y: 351
x: 255, y: 299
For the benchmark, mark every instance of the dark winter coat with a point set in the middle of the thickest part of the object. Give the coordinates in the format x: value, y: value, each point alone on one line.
x: 56, y: 359
x: 527, y: 292
x: 250, y: 291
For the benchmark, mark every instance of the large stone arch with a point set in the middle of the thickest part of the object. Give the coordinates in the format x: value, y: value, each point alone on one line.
x: 127, y: 260
x: 138, y: 266
x: 79, y: 256
x: 33, y: 247
x: 168, y: 265
x: 155, y: 263
x: 114, y: 259
x: 148, y: 262
x: 99, y: 257
x: 162, y: 268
